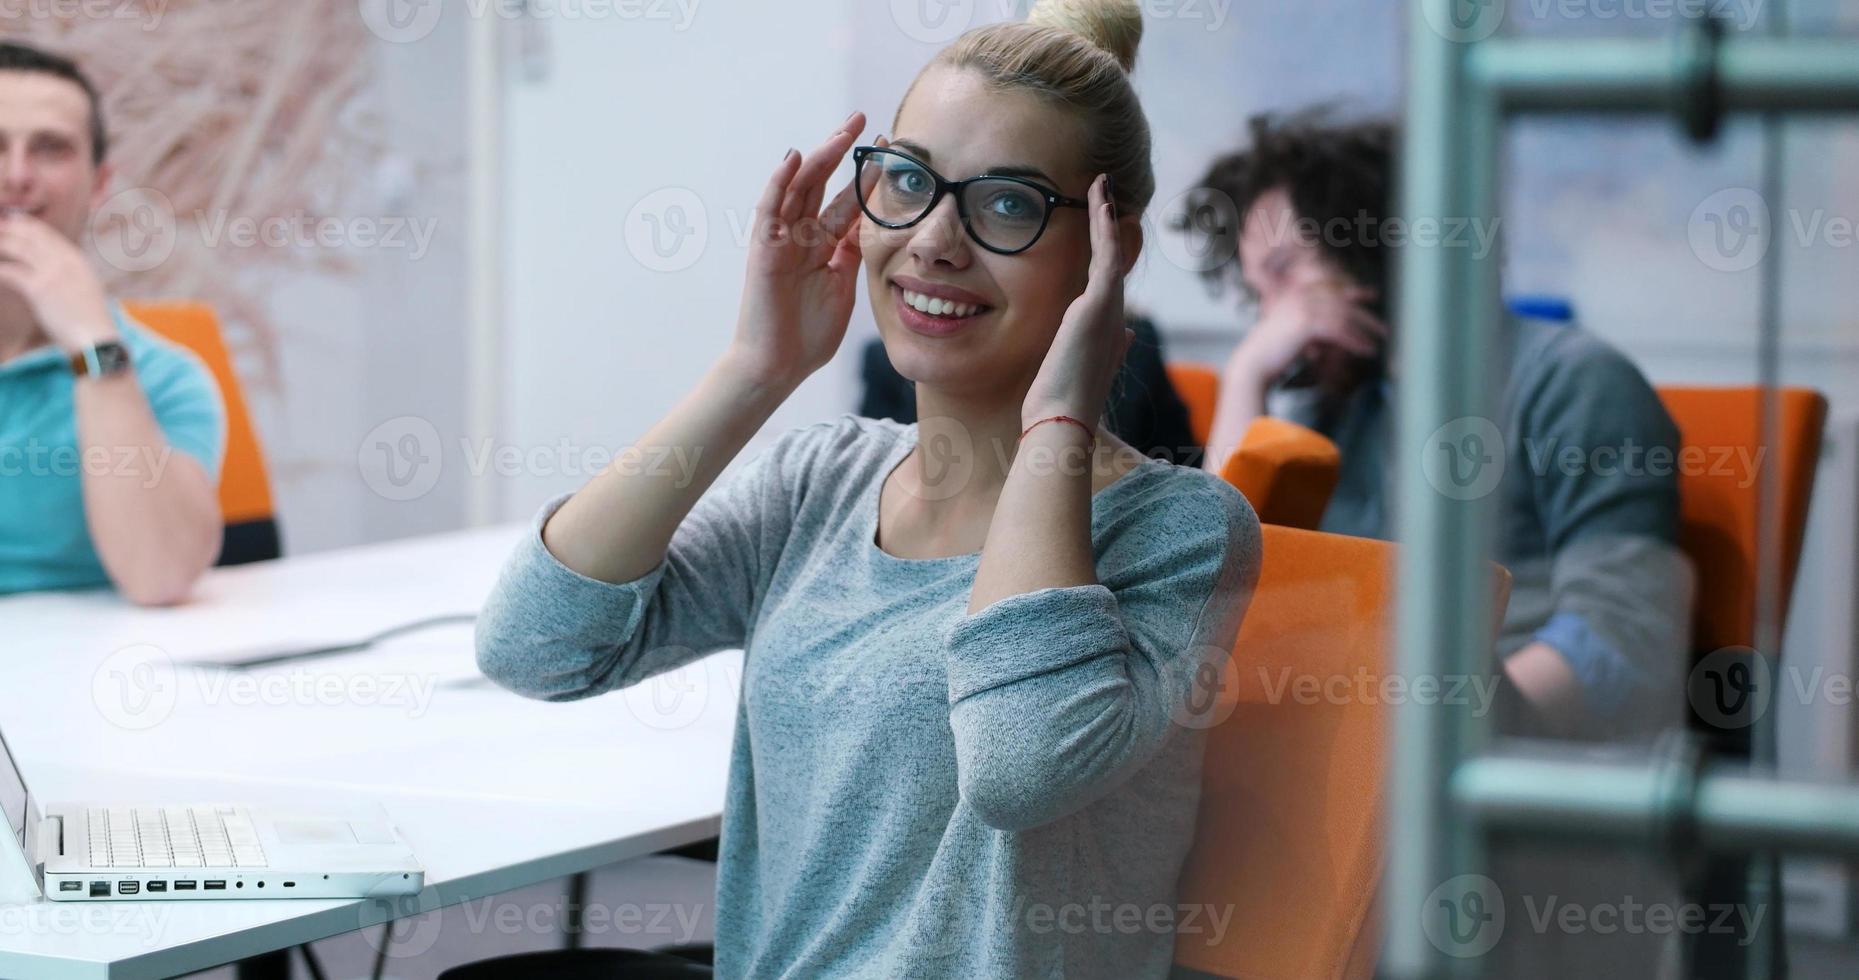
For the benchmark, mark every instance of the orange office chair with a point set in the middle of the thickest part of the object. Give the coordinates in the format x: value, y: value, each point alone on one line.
x: 1719, y: 526
x: 1199, y: 388
x: 1717, y: 503
x: 1290, y: 834
x: 251, y: 532
x: 1286, y: 471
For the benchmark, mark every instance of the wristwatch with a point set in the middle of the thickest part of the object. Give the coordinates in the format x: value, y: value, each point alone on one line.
x: 101, y: 360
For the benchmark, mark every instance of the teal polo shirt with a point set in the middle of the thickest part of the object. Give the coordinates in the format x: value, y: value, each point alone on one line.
x: 44, y: 540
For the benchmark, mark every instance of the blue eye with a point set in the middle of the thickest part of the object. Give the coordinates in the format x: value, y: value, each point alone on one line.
x: 909, y: 181
x: 1013, y: 204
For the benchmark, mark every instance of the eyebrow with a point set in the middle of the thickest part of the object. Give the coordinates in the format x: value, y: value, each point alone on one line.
x: 922, y: 152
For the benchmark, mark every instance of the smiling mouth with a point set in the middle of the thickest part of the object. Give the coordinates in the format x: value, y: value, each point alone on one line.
x: 941, y: 308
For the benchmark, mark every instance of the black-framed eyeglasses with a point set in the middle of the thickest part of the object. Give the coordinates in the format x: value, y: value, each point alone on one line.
x: 1004, y: 215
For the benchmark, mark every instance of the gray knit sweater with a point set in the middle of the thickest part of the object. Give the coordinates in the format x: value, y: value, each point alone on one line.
x: 914, y: 791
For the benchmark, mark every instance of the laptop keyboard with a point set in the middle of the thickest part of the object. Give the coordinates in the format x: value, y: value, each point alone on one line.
x: 174, y: 837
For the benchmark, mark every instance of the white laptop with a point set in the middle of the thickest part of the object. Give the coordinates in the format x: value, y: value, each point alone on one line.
x: 104, y: 852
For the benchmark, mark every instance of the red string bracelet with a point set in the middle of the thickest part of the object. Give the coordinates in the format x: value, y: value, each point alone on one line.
x: 1088, y: 428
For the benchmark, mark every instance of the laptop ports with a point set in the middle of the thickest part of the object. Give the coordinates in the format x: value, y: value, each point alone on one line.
x: 158, y: 886
x: 185, y: 886
x: 216, y: 886
x: 128, y: 887
x: 99, y: 889
x: 70, y: 886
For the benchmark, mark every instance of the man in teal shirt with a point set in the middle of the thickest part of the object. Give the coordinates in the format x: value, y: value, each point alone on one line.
x: 110, y: 437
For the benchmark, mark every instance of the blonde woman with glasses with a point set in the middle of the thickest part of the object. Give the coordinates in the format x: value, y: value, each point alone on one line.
x: 977, y: 647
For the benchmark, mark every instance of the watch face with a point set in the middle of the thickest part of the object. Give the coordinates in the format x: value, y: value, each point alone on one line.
x: 111, y: 357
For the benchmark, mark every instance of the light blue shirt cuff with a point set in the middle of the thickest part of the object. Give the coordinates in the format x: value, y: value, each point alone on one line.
x: 1607, y: 678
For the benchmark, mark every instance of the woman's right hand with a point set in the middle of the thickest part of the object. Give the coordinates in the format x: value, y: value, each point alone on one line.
x: 803, y: 267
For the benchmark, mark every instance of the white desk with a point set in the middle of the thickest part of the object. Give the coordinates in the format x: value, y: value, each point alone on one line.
x: 99, y: 701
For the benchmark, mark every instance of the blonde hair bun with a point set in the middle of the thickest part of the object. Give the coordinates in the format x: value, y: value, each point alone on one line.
x: 1113, y: 25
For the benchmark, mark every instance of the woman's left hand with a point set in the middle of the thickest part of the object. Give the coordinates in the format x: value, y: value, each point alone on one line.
x: 1076, y: 376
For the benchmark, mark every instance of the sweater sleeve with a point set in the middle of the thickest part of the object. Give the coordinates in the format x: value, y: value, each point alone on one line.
x: 1059, y: 695
x: 1609, y: 510
x: 549, y: 632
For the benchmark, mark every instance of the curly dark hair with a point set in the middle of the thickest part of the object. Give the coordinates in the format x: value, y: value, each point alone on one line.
x: 1338, y: 173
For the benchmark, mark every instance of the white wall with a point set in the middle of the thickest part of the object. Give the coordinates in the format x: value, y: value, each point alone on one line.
x: 636, y: 122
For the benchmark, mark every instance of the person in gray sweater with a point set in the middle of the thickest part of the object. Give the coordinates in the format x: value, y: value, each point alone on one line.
x: 1580, y: 453
x: 969, y: 736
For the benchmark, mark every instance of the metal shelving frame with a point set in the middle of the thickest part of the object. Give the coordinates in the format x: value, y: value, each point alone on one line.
x: 1448, y: 791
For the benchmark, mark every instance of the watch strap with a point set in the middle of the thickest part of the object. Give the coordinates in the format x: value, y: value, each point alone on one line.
x: 100, y: 359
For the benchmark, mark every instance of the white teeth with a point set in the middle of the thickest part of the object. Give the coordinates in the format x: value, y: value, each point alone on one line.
x: 939, y: 307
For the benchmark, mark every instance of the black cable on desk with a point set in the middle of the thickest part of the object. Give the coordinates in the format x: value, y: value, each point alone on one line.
x: 312, y: 653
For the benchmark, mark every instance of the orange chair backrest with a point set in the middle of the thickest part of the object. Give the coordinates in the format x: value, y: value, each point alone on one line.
x: 244, y: 485
x: 1717, y: 486
x: 1286, y: 471
x: 1290, y: 832
x: 1199, y: 388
